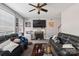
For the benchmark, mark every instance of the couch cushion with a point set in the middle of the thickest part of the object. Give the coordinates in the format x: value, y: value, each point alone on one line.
x: 4, y: 44
x: 17, y: 40
x: 67, y: 46
x: 10, y: 47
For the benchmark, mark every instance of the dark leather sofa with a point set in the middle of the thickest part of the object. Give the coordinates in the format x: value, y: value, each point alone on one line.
x: 5, y: 53
x: 3, y: 38
x: 65, y: 39
x: 16, y: 52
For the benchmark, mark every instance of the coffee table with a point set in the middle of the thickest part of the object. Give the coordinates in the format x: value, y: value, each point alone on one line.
x: 42, y: 49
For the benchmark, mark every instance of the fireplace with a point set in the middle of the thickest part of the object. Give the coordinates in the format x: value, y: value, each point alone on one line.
x: 39, y: 35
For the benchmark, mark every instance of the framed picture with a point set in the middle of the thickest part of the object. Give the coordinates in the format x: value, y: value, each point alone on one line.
x: 28, y: 24
x: 51, y: 24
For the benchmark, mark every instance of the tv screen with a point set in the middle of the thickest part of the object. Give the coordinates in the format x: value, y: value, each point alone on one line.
x: 39, y: 23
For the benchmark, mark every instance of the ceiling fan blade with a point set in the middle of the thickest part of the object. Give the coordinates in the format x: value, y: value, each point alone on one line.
x: 44, y: 10
x: 43, y: 4
x: 32, y: 5
x: 32, y: 10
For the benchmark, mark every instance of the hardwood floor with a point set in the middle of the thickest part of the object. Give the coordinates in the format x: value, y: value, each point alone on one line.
x: 40, y: 41
x: 28, y: 51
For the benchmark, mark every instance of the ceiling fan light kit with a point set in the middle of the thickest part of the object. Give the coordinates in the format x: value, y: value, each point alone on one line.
x: 39, y: 7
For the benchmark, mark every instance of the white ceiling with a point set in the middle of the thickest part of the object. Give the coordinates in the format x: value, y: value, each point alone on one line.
x: 53, y: 9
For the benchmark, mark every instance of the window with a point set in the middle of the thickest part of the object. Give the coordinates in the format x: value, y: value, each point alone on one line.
x: 7, y: 23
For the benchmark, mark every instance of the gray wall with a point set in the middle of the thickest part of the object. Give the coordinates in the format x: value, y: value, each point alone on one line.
x: 70, y: 20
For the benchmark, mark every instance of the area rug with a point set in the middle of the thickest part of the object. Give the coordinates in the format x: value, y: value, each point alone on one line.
x: 38, y: 49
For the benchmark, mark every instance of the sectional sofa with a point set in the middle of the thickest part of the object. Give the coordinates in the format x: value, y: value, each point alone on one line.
x: 5, y: 45
x: 63, y: 39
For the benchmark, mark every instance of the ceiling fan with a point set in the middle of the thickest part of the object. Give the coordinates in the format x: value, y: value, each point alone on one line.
x: 39, y: 7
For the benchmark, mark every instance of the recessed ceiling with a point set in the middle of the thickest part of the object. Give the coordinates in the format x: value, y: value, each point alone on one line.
x: 53, y: 9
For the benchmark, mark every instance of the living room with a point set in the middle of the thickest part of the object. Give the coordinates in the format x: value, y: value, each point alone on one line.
x: 50, y: 28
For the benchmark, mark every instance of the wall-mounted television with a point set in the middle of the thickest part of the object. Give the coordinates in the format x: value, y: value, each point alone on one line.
x: 39, y: 23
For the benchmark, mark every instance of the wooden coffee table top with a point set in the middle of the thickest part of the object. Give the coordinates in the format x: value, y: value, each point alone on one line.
x: 40, y: 49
